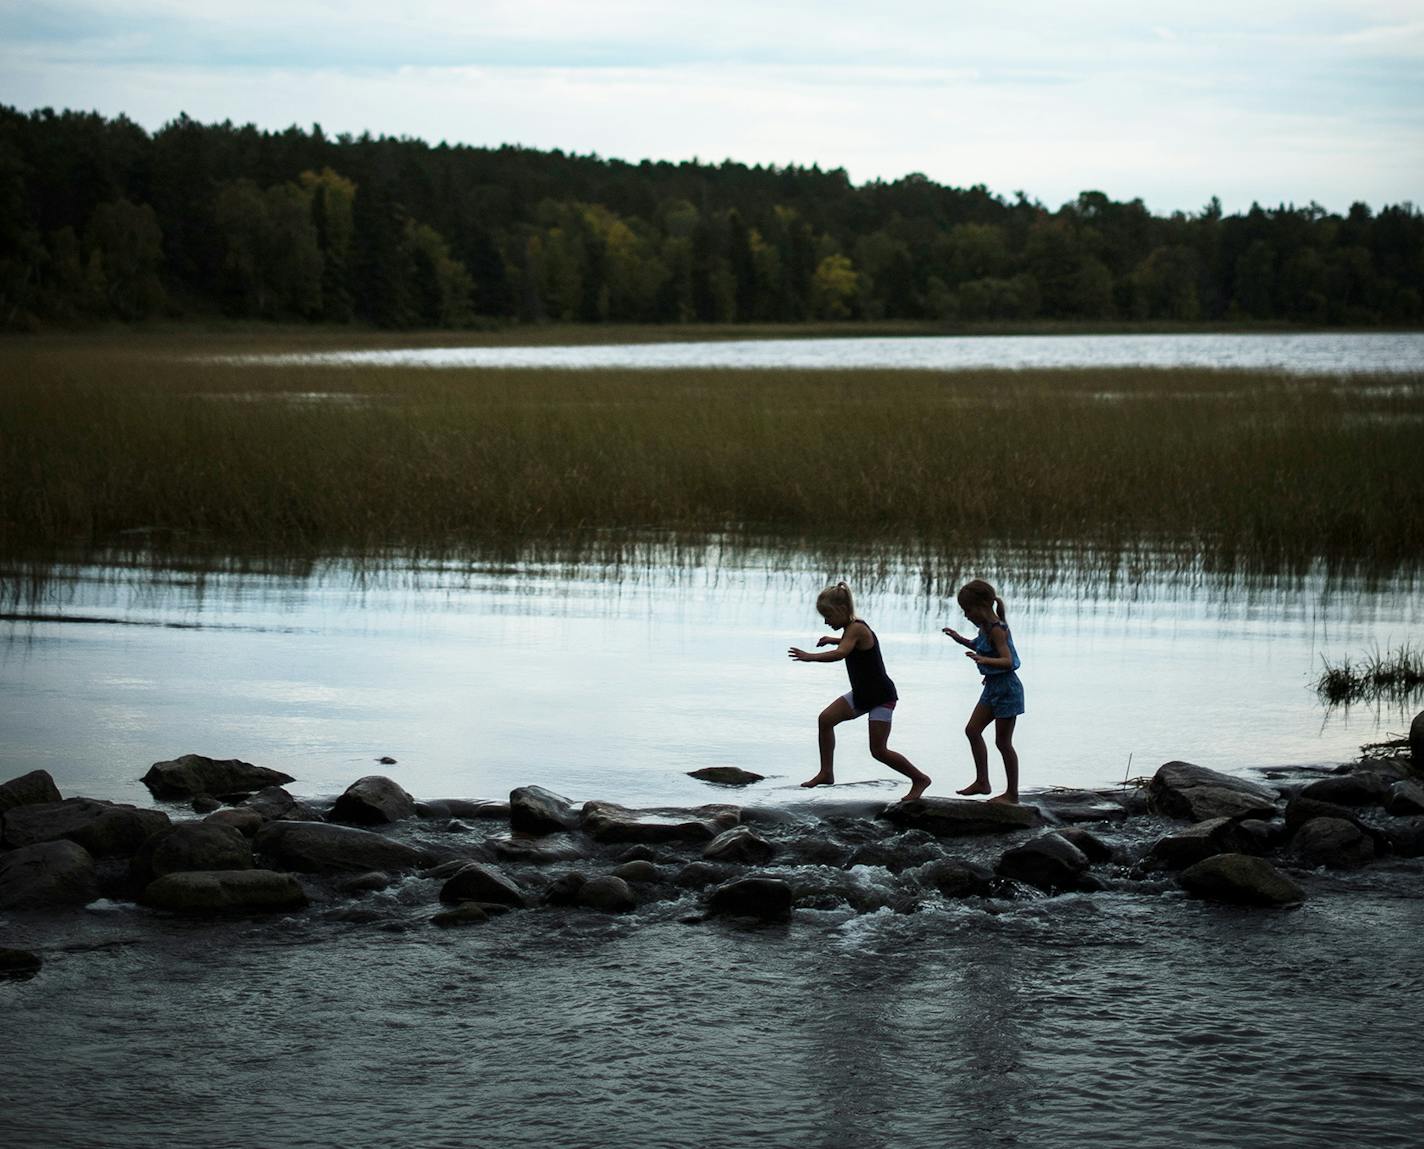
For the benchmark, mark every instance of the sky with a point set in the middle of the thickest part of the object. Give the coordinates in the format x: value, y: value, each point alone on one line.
x: 1270, y: 102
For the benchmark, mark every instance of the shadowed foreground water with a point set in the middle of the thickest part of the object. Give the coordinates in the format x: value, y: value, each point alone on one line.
x: 1107, y: 1019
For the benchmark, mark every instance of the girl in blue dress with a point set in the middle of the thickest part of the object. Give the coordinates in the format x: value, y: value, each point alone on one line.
x: 1002, y: 699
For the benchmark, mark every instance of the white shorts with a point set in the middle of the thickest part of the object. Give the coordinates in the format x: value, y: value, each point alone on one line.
x: 882, y: 713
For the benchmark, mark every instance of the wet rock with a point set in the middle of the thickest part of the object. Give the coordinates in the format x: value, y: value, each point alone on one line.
x: 19, y: 965
x: 960, y: 878
x: 28, y: 790
x: 369, y: 883
x: 1299, y: 811
x: 275, y: 804
x: 465, y: 914
x: 373, y: 801
x: 700, y: 875
x: 1405, y: 799
x: 1050, y: 863
x: 59, y: 873
x: 474, y: 808
x: 225, y: 891
x: 638, y: 854
x: 1240, y: 879
x: 193, y: 774
x: 205, y: 804
x: 476, y: 882
x: 563, y: 890
x: 1093, y: 847
x: 1262, y: 836
x: 1194, y: 843
x: 537, y: 852
x: 962, y: 817
x: 105, y: 829
x: 638, y: 871
x: 1074, y: 806
x: 1406, y: 837
x: 726, y: 775
x: 385, y: 760
x: 1333, y: 842
x: 319, y: 847
x: 1416, y: 742
x: 757, y: 897
x: 1362, y: 789
x: 534, y: 810
x: 740, y: 845
x: 190, y: 846
x: 1182, y: 790
x: 607, y: 893
x: 245, y: 822
x: 607, y: 822
x: 897, y: 854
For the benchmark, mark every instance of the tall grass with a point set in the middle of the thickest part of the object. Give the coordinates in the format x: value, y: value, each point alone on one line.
x: 1396, y: 675
x: 99, y: 440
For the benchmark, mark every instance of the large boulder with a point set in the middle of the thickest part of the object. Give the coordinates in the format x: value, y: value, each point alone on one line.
x: 319, y: 847
x: 59, y: 873
x: 534, y: 810
x: 610, y: 894
x: 480, y: 883
x: 1365, y: 788
x: 607, y: 822
x: 190, y: 846
x: 105, y: 829
x: 1051, y: 863
x: 1333, y: 842
x: 1198, y: 841
x: 29, y: 789
x: 1240, y: 879
x: 962, y: 817
x: 193, y: 774
x: 740, y: 845
x: 756, y: 897
x: 1183, y: 790
x: 373, y: 801
x: 225, y: 891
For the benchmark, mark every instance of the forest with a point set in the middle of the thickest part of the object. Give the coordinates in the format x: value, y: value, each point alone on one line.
x: 103, y: 221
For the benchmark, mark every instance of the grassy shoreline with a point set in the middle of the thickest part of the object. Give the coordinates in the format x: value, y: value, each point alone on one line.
x: 104, y: 438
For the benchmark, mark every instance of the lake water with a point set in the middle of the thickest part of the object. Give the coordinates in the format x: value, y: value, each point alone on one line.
x: 1306, y: 353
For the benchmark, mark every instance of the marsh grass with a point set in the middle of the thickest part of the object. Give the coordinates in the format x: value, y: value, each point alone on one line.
x: 1389, y: 676
x: 107, y: 440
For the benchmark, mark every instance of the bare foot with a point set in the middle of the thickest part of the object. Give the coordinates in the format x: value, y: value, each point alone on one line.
x: 819, y: 780
x: 975, y: 788
x: 918, y: 787
x: 1006, y: 799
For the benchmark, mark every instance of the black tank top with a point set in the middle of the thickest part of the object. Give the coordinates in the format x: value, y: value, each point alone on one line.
x: 870, y: 686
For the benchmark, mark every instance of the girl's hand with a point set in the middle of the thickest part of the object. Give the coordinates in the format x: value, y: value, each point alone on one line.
x: 798, y: 654
x: 827, y: 640
x: 974, y: 655
x: 954, y: 634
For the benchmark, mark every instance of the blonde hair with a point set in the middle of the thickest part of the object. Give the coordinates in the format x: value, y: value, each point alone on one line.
x: 977, y: 592
x: 839, y: 597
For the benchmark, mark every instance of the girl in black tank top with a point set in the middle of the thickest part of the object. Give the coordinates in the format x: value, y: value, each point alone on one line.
x: 871, y: 690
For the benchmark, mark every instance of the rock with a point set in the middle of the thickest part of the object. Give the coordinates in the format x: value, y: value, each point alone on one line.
x: 534, y: 810
x: 372, y: 882
x: 193, y: 774
x: 1262, y: 837
x: 1299, y: 811
x: 740, y: 845
x: 1333, y: 842
x: 28, y: 790
x: 465, y: 914
x: 607, y: 893
x: 563, y: 890
x: 757, y: 897
x: 538, y: 852
x: 205, y: 804
x: 638, y: 854
x: 1093, y: 847
x: 190, y: 846
x: 1405, y: 800
x: 962, y: 817
x: 960, y: 878
x: 897, y: 854
x: 472, y: 808
x: 476, y: 882
x: 105, y: 829
x: 1240, y: 879
x: 1416, y: 742
x: 1051, y: 863
x: 607, y: 822
x: 1081, y: 806
x: 373, y: 801
x: 726, y: 775
x: 700, y: 875
x: 318, y: 847
x: 1197, y: 842
x: 274, y: 804
x: 19, y: 965
x: 385, y: 760
x: 59, y: 873
x: 1406, y: 837
x: 225, y: 891
x: 1362, y: 789
x: 1182, y: 790
x: 639, y: 871
x: 245, y: 822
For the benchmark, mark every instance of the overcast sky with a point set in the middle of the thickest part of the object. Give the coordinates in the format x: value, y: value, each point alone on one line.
x: 1251, y: 101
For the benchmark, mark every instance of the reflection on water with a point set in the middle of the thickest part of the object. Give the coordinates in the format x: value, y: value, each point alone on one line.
x: 1306, y: 354
x: 613, y: 676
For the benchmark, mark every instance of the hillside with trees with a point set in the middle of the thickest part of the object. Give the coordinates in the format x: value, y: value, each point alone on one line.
x: 101, y: 221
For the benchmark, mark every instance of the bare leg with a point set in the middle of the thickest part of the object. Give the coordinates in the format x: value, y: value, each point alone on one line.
x: 837, y: 712
x: 879, y: 736
x: 979, y: 719
x: 1004, y: 740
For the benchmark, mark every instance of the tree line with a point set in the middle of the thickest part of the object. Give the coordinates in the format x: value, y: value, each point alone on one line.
x: 102, y: 220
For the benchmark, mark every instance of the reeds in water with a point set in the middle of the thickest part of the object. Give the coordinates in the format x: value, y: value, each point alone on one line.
x: 1391, y: 676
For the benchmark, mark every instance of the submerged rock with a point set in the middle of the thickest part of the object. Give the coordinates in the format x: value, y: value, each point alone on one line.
x: 477, y: 882
x: 225, y: 891
x: 756, y: 897
x: 740, y: 845
x: 373, y: 801
x: 726, y: 775
x: 1240, y: 879
x: 1050, y: 863
x: 465, y: 914
x: 317, y: 847
x: 29, y: 789
x: 193, y: 774
x: 60, y: 873
x: 534, y: 810
x: 962, y: 817
x: 105, y: 829
x: 19, y: 965
x: 1183, y: 790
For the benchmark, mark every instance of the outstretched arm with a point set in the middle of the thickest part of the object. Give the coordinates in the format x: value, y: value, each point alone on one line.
x: 843, y: 646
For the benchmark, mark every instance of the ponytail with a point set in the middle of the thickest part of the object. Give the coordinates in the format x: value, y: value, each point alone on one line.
x: 837, y: 596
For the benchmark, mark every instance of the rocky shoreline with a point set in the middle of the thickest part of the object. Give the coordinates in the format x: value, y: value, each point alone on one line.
x: 229, y: 839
